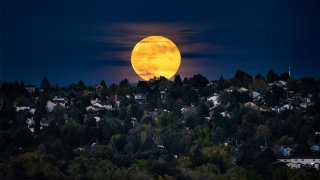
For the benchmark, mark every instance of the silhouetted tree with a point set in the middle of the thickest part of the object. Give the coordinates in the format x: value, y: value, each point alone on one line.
x: 103, y: 84
x: 45, y: 84
x: 272, y: 76
x: 80, y: 85
x: 241, y: 79
x: 177, y: 80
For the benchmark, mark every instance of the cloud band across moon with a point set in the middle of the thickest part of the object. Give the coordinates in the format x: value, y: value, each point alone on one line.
x: 122, y: 37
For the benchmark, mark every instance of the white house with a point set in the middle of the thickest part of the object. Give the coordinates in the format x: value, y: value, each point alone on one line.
x: 134, y: 121
x: 91, y: 108
x: 22, y: 108
x: 32, y: 110
x: 30, y: 121
x: 242, y: 89
x: 117, y: 104
x: 255, y: 95
x: 286, y: 107
x: 104, y: 106
x: 225, y: 114
x: 228, y: 90
x: 97, y: 118
x: 94, y: 101
x: 282, y: 83
x: 99, y: 106
x: 30, y: 89
x: 56, y: 101
x: 215, y: 99
x: 282, y: 108
x: 301, y: 162
x: 183, y: 110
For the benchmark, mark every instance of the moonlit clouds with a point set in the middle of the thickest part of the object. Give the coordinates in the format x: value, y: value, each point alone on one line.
x: 68, y: 41
x: 187, y: 37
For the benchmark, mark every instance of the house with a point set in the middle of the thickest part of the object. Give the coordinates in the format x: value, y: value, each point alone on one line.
x: 293, y: 165
x: 25, y: 108
x: 30, y: 89
x: 91, y: 108
x: 94, y: 101
x: 286, y: 107
x: 207, y: 118
x: 99, y: 89
x: 282, y: 108
x: 162, y: 95
x: 282, y: 83
x: 118, y: 104
x: 97, y: 118
x: 94, y: 145
x: 30, y: 121
x: 51, y: 104
x: 225, y: 114
x: 305, y: 105
x: 153, y: 113
x: 183, y: 110
x: 128, y: 96
x: 285, y: 151
x: 140, y: 98
x: 79, y: 149
x: 22, y: 108
x: 275, y: 109
x: 32, y: 110
x: 306, y: 102
x: 103, y: 105
x: 315, y: 148
x: 98, y: 106
x: 113, y: 98
x: 228, y: 90
x: 251, y: 105
x: 44, y: 122
x: 134, y: 121
x: 301, y: 162
x: 215, y: 99
x: 255, y: 95
x: 242, y: 90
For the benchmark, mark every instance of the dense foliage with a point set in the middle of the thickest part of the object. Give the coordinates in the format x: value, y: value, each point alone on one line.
x: 157, y: 139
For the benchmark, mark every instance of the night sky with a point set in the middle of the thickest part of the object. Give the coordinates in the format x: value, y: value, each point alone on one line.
x: 68, y: 41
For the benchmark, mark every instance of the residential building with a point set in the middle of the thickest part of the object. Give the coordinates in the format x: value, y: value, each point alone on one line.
x: 140, y: 98
x: 285, y: 151
x: 51, y: 104
x: 301, y: 162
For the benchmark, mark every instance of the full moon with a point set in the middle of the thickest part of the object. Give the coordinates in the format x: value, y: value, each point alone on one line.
x: 155, y: 56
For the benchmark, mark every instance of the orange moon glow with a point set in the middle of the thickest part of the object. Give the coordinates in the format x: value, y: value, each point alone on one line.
x: 155, y: 56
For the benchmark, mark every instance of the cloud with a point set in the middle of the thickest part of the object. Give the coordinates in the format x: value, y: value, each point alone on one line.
x: 120, y: 38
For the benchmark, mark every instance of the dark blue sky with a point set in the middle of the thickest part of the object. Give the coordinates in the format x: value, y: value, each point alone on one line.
x: 92, y: 40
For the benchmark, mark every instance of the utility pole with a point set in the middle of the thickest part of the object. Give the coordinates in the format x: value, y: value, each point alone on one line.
x: 289, y: 71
